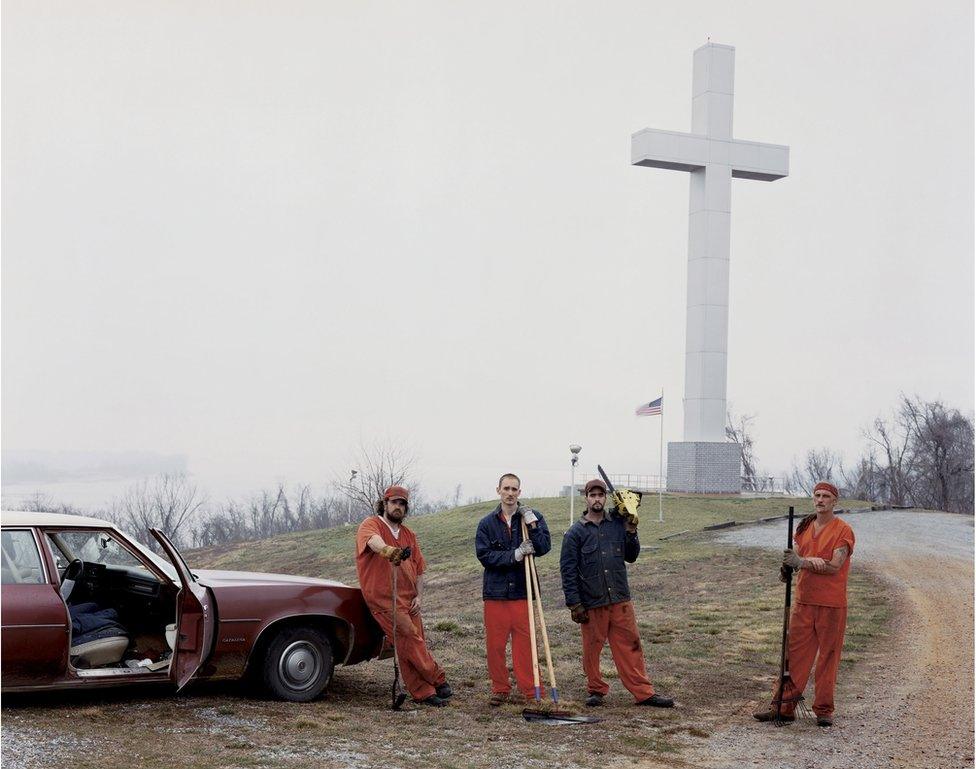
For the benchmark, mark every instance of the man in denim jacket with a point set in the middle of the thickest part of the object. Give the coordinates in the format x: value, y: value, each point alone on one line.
x: 594, y: 575
x: 501, y: 549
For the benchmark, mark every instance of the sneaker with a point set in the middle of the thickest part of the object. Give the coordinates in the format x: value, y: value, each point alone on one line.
x: 825, y: 721
x: 444, y: 691
x: 498, y: 698
x: 434, y: 701
x: 594, y: 700
x: 770, y: 715
x: 657, y: 701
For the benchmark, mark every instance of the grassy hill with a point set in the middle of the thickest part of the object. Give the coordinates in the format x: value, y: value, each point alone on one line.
x: 447, y: 538
x: 710, y: 617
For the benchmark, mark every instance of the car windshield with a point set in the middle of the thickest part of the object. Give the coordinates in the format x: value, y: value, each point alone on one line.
x: 164, y: 564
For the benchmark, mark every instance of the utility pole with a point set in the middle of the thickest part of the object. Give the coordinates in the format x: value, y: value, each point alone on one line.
x: 574, y: 449
x: 352, y: 478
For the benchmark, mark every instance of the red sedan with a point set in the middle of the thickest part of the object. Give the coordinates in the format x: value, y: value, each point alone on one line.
x: 84, y: 605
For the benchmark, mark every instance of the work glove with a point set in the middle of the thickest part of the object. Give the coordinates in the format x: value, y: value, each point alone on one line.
x: 529, y: 516
x: 791, y: 559
x: 580, y: 615
x: 393, y: 554
x: 785, y: 572
x: 524, y: 549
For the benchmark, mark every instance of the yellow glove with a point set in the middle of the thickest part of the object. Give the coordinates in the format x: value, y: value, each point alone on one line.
x: 393, y: 554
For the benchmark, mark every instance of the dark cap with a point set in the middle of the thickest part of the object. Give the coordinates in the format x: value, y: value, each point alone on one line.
x: 596, y: 483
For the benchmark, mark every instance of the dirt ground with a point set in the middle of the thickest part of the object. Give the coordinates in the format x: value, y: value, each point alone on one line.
x: 711, y: 640
x: 910, y: 704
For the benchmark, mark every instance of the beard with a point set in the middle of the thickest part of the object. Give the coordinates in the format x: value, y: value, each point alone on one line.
x: 597, y: 507
x: 395, y: 515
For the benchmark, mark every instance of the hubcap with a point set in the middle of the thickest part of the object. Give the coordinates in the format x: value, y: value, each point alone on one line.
x: 300, y: 665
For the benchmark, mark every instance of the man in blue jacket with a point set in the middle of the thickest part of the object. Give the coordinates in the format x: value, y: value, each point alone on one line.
x: 501, y: 549
x: 593, y: 567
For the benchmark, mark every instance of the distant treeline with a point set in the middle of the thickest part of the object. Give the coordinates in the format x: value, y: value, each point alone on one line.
x: 919, y: 455
x: 175, y: 505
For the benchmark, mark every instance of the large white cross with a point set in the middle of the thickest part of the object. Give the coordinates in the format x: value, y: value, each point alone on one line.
x: 712, y: 157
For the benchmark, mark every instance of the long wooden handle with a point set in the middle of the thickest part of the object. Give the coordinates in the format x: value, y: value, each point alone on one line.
x: 542, y: 622
x: 535, y: 650
x: 542, y: 616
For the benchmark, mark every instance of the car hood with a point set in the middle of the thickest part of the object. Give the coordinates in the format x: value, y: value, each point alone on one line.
x: 222, y: 578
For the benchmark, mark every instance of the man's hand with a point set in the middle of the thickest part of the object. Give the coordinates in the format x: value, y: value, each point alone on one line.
x: 524, y: 549
x: 580, y: 615
x: 529, y: 516
x: 415, y: 605
x: 630, y: 528
x: 393, y: 554
x: 818, y: 565
x: 792, y: 560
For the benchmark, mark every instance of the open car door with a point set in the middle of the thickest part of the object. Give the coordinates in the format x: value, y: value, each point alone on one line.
x: 194, y: 619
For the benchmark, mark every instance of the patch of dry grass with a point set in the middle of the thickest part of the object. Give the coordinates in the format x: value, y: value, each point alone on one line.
x: 710, y: 618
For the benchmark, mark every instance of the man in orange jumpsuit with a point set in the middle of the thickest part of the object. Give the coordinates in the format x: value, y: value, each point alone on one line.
x: 594, y: 575
x: 381, y: 542
x: 823, y: 546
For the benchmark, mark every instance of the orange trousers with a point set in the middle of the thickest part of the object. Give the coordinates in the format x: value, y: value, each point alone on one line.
x: 816, y: 632
x: 615, y: 623
x: 504, y: 620
x: 420, y: 671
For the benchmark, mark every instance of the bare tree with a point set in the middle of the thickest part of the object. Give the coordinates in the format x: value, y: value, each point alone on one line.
x: 267, y: 514
x: 167, y: 502
x: 819, y: 465
x: 39, y: 502
x: 379, y: 465
x: 739, y: 430
x: 864, y: 480
x: 941, y: 447
x: 896, y: 466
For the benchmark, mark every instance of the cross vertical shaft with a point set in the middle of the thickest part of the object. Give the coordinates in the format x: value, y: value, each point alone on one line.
x: 709, y: 227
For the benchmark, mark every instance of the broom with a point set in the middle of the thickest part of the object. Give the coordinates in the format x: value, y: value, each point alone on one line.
x: 784, y: 660
x: 543, y: 715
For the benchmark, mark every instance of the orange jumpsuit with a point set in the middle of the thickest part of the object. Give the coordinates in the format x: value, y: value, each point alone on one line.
x: 420, y: 671
x: 819, y: 617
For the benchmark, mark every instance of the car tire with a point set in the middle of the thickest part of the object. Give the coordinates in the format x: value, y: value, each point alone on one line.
x: 298, y: 664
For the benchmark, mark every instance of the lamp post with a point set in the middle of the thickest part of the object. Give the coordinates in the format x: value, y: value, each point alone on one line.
x: 352, y: 478
x: 574, y: 449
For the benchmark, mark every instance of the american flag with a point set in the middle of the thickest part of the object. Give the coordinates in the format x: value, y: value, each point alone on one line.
x: 651, y: 409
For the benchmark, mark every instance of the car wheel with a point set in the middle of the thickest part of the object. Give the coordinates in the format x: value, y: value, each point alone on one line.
x: 298, y: 665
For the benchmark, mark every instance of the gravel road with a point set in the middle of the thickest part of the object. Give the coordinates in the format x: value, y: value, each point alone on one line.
x: 914, y: 706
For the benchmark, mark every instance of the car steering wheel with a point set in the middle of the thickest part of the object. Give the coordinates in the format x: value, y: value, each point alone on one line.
x: 71, y: 574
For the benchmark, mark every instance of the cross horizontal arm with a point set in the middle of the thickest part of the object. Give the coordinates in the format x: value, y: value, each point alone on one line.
x: 677, y: 151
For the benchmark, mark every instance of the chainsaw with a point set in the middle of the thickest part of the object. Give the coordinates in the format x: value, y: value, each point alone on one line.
x: 625, y: 501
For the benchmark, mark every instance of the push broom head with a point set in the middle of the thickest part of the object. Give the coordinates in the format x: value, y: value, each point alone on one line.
x: 556, y: 717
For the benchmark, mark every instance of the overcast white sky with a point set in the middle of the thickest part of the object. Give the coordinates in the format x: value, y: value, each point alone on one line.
x: 255, y: 232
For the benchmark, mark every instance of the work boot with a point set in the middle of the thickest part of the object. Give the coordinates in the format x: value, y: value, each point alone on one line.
x: 825, y: 721
x: 434, y: 701
x: 498, y: 698
x: 594, y: 700
x: 657, y: 701
x: 444, y: 691
x: 770, y: 715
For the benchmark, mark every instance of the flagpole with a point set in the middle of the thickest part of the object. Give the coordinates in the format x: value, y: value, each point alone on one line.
x: 660, y: 469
